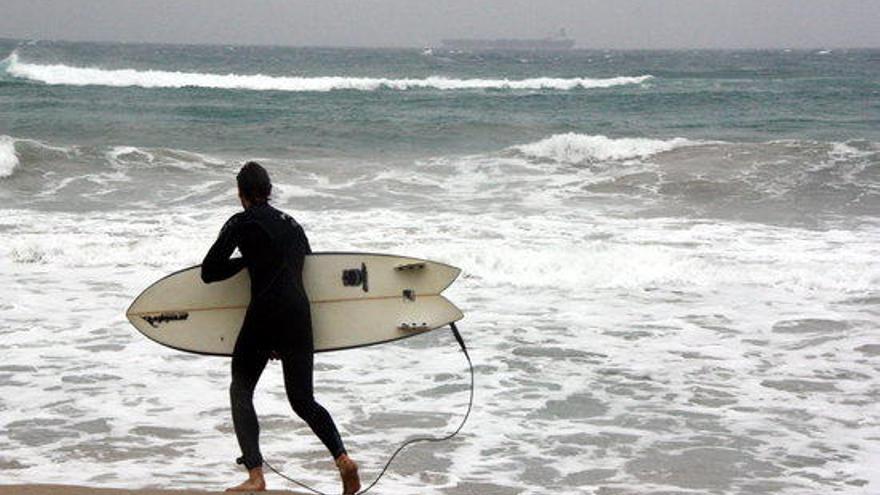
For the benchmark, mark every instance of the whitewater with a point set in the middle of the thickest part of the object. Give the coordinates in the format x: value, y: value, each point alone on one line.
x: 84, y: 76
x: 670, y: 285
x: 8, y: 156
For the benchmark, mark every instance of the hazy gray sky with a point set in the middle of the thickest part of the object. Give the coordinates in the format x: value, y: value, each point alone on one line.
x: 593, y: 23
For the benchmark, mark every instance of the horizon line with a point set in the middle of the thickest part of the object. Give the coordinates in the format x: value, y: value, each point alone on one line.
x: 423, y: 47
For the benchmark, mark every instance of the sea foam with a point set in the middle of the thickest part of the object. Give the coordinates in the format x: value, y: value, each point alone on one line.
x: 59, y: 74
x: 8, y: 156
x: 577, y: 148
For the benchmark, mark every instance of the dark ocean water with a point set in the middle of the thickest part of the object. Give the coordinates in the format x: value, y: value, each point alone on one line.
x: 745, y: 95
x: 670, y: 261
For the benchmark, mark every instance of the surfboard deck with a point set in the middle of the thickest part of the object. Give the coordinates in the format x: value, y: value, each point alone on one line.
x: 357, y: 299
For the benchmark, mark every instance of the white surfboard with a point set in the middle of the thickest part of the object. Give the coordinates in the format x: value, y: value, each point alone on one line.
x: 357, y: 299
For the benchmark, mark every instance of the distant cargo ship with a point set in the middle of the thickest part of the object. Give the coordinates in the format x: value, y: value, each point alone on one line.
x: 558, y: 42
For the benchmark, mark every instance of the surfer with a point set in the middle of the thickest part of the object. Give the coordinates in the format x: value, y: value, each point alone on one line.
x: 277, y: 324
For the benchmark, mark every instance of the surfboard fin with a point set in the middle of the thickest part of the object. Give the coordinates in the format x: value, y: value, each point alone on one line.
x: 409, y: 267
x: 416, y: 326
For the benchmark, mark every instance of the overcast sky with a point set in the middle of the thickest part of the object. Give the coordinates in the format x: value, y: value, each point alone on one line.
x: 592, y: 23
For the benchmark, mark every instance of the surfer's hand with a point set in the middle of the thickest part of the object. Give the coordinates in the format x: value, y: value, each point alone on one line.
x: 273, y: 355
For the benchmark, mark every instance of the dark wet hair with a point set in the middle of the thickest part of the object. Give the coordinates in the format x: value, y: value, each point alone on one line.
x: 253, y: 183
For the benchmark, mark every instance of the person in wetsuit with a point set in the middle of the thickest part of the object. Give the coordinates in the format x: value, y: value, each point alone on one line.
x: 277, y: 324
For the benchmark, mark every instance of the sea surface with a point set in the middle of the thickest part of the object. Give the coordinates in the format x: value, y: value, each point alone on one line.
x: 671, y: 262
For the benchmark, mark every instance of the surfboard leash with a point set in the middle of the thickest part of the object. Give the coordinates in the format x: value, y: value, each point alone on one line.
x: 411, y: 441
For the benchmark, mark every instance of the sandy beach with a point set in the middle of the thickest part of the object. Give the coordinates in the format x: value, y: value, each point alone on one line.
x: 86, y: 490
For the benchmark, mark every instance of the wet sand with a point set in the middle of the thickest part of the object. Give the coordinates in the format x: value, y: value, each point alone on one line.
x: 85, y: 490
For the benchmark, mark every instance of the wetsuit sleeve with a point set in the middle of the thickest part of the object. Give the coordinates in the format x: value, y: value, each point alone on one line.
x: 217, y: 264
x: 303, y: 241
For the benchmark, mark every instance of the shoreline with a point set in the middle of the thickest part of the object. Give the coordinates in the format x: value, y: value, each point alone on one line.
x: 49, y: 489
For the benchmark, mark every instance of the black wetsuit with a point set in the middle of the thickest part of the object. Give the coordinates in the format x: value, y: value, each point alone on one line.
x: 273, y: 248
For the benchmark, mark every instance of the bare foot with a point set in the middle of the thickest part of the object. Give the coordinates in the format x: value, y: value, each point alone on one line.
x: 248, y: 486
x: 254, y: 483
x: 348, y: 470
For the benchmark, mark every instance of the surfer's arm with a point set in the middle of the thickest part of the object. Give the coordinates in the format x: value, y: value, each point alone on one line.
x: 217, y: 264
x: 303, y: 241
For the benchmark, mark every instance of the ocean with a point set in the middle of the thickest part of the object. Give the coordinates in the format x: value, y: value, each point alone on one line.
x: 670, y: 262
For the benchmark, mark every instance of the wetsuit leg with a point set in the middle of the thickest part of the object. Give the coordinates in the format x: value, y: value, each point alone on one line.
x: 298, y: 368
x: 246, y: 371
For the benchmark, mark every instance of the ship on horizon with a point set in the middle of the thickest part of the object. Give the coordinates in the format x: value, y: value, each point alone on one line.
x: 558, y: 42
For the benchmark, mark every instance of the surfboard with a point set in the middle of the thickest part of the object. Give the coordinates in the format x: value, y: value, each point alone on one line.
x: 356, y: 300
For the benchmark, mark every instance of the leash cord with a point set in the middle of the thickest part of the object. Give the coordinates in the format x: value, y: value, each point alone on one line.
x: 410, y: 441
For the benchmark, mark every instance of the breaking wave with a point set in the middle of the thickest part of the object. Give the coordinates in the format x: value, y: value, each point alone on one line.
x: 131, y: 156
x: 8, y: 156
x: 578, y: 148
x: 59, y: 74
